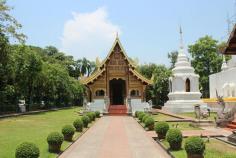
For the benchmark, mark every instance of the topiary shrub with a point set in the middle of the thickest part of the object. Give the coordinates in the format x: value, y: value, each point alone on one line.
x: 68, y: 131
x: 149, y: 123
x: 78, y: 124
x: 174, y: 138
x: 145, y: 117
x: 161, y: 129
x: 55, y: 140
x: 136, y: 113
x: 194, y: 147
x: 91, y: 116
x: 85, y: 120
x: 27, y: 150
x: 141, y: 115
x: 97, y: 114
x: 94, y: 116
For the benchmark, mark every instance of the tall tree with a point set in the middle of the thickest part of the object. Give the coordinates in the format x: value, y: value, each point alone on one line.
x: 8, y: 24
x: 173, y: 58
x: 147, y: 69
x: 206, y: 60
x: 160, y: 88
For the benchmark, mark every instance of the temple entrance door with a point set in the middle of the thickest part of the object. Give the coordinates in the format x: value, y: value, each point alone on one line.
x: 117, y: 91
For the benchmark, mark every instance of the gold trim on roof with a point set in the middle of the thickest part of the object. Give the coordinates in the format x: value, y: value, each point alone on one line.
x: 94, y: 76
x: 101, y: 67
x: 141, y: 77
x: 117, y: 40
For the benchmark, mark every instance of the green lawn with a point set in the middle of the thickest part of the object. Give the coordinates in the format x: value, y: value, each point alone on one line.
x: 162, y: 117
x: 33, y: 128
x: 214, y: 148
x: 192, y: 114
x: 183, y: 126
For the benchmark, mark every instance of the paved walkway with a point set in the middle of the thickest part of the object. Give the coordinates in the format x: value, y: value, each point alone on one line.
x: 115, y: 137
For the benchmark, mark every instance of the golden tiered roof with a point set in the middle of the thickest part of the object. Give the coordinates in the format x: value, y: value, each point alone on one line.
x: 101, y: 67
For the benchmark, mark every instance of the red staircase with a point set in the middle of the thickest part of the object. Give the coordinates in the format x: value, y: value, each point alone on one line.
x: 117, y: 110
x: 232, y: 125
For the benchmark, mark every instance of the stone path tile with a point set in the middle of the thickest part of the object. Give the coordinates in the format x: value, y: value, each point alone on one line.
x: 115, y: 137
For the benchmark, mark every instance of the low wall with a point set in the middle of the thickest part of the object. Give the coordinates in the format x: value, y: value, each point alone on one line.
x: 214, y: 106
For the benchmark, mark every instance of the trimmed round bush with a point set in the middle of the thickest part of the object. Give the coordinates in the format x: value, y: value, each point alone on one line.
x: 91, y: 116
x: 97, y: 114
x: 161, y: 129
x: 136, y: 113
x: 68, y: 131
x: 174, y: 138
x: 78, y: 124
x: 194, y: 146
x: 145, y: 117
x: 55, y: 140
x: 149, y: 123
x: 141, y: 115
x: 86, y: 120
x: 27, y: 150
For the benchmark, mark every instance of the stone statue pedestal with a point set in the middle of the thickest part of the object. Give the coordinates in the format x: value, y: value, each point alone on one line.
x: 232, y: 137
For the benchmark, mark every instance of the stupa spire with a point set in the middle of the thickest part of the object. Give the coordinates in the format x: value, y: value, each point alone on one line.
x: 181, y: 38
x: 224, y: 65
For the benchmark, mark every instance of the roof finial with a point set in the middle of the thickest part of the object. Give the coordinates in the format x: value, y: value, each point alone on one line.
x: 181, y: 38
x: 117, y: 35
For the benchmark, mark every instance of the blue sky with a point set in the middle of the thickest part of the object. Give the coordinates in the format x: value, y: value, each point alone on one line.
x: 147, y: 29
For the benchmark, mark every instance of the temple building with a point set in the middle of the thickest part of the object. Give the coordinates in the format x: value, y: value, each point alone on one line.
x: 114, y: 81
x: 224, y: 82
x: 183, y: 85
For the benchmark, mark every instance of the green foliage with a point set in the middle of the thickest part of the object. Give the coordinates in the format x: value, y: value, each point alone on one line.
x: 173, y: 58
x: 136, y: 113
x: 206, y: 60
x: 97, y: 114
x: 160, y: 75
x: 174, y: 138
x: 27, y: 150
x: 78, y: 124
x: 55, y: 138
x: 28, y: 72
x: 149, y: 123
x: 91, y: 116
x: 147, y: 69
x: 141, y: 115
x: 68, y: 130
x: 161, y: 128
x: 86, y: 120
x: 145, y: 117
x: 194, y: 145
x: 9, y: 24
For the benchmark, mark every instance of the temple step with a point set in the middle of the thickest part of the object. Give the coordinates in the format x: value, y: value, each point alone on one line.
x: 117, y: 110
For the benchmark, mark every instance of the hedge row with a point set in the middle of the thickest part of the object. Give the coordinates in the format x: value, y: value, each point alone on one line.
x: 193, y: 145
x: 55, y: 139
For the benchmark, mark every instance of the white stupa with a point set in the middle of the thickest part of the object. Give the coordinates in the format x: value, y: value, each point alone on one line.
x: 183, y: 85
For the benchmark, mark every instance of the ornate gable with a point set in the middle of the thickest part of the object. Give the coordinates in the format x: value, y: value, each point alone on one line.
x: 117, y: 65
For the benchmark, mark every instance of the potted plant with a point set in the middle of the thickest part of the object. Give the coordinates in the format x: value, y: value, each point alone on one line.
x: 161, y: 129
x: 54, y: 140
x: 68, y: 131
x: 195, y: 147
x: 174, y: 137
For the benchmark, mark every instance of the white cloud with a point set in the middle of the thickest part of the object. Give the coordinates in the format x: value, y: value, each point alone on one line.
x: 89, y: 34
